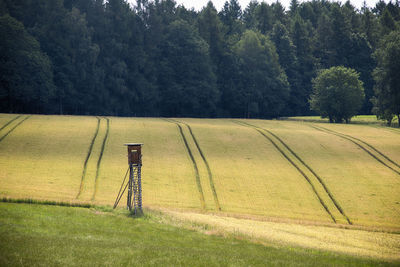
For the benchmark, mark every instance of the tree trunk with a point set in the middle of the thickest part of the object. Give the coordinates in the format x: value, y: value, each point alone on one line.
x: 398, y: 120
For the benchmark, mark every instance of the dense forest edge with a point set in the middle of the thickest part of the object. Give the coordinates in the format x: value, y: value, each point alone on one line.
x: 157, y: 58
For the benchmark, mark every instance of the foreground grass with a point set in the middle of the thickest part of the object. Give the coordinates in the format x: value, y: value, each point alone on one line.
x: 50, y: 235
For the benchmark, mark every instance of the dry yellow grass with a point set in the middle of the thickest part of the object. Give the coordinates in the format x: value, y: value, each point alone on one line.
x: 355, y: 241
x: 43, y: 158
x: 5, y: 118
x: 251, y: 176
x: 168, y: 177
x: 383, y: 138
x: 367, y: 190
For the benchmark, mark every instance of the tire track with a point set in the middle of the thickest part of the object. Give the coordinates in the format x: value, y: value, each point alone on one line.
x: 210, y: 176
x: 320, y: 180
x: 394, y: 130
x: 103, y: 145
x: 293, y: 164
x: 386, y: 128
x: 365, y: 143
x: 87, y: 158
x: 13, y: 128
x: 350, y: 138
x: 5, y: 125
x: 197, y: 174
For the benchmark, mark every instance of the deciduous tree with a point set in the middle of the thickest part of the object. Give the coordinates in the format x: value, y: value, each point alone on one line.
x: 338, y: 94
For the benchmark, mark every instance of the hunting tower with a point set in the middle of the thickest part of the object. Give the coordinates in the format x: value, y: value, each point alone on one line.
x: 134, y: 184
x: 134, y: 200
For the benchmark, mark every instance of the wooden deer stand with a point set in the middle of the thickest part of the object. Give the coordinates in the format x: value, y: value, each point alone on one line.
x: 134, y: 184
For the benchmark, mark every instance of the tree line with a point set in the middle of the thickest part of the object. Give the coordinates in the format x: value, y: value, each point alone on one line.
x: 160, y: 59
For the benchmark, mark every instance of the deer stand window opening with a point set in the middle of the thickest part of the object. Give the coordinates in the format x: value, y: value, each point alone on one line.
x: 134, y: 183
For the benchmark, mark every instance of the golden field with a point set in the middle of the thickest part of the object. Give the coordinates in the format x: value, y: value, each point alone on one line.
x: 305, y: 179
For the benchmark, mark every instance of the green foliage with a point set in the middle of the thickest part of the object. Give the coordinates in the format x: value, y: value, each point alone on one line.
x: 231, y: 15
x: 186, y: 79
x: 387, y: 80
x: 46, y: 202
x: 387, y: 22
x: 264, y: 17
x: 369, y: 25
x: 249, y: 17
x: 46, y: 235
x: 26, y: 76
x: 103, y: 57
x: 263, y: 88
x: 360, y: 58
x: 212, y: 30
x: 338, y: 94
x: 301, y: 38
x: 289, y: 62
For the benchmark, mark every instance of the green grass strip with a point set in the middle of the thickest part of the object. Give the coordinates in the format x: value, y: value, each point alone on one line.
x: 44, y: 202
x: 13, y: 119
x: 13, y: 128
x: 87, y: 157
x: 197, y: 174
x: 103, y: 145
x: 320, y: 180
x: 357, y: 144
x: 210, y: 176
x: 293, y: 164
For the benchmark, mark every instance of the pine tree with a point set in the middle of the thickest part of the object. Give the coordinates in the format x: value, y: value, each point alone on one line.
x: 288, y: 60
x: 300, y: 35
x: 185, y: 76
x: 263, y: 88
x: 26, y: 76
x: 387, y: 80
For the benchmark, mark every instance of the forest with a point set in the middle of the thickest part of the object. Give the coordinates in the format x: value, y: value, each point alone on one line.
x: 157, y: 58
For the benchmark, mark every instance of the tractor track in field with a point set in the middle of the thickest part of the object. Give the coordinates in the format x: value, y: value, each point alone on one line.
x: 397, y: 130
x: 87, y: 157
x: 196, y: 169
x: 386, y: 128
x: 90, y: 154
x: 370, y: 146
x: 210, y: 175
x: 320, y: 180
x: 297, y: 167
x: 103, y: 145
x: 10, y: 121
x: 13, y: 128
x: 372, y: 151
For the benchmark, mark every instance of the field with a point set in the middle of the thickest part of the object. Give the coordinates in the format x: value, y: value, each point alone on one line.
x: 296, y: 183
x: 60, y: 236
x: 359, y: 119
